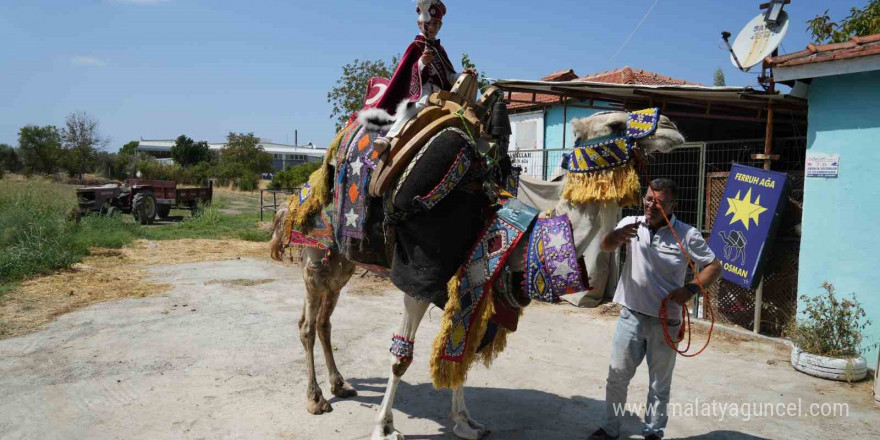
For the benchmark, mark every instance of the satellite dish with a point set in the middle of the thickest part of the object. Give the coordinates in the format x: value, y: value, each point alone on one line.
x: 758, y: 39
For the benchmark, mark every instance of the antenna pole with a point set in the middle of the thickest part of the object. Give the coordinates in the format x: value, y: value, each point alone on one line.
x: 726, y: 37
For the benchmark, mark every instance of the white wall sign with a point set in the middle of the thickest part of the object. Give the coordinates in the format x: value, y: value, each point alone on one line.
x: 527, y: 143
x: 822, y: 164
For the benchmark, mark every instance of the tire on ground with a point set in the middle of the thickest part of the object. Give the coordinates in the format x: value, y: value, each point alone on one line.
x: 144, y: 207
x: 829, y: 368
x: 163, y: 211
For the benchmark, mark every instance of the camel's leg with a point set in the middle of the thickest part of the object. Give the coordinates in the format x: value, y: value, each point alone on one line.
x: 465, y: 427
x: 414, y: 311
x: 340, y: 272
x: 318, y: 278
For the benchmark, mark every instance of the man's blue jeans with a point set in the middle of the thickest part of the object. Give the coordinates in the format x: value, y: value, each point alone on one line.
x: 638, y: 336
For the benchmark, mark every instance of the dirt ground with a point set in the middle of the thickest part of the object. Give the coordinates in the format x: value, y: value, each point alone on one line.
x: 218, y: 356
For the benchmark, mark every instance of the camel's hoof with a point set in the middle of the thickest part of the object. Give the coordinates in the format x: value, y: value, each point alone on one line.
x: 318, y: 405
x: 468, y: 432
x: 344, y: 391
x: 386, y: 432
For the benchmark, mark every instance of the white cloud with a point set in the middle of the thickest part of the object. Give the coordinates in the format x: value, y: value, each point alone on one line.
x: 87, y: 61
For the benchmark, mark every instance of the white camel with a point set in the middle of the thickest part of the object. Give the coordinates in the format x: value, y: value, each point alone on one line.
x: 326, y: 273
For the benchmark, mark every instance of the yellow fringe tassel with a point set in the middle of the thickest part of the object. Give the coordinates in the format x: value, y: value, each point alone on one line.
x: 494, y: 349
x: 618, y: 185
x: 446, y: 374
x: 319, y: 181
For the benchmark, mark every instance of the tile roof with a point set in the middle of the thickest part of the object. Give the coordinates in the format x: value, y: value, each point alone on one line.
x: 625, y: 75
x: 628, y: 75
x: 819, y: 53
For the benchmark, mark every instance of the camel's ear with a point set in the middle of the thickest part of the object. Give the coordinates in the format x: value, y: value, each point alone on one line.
x: 581, y: 127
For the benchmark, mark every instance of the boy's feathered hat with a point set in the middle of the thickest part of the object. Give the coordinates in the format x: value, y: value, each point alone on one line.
x: 430, y: 9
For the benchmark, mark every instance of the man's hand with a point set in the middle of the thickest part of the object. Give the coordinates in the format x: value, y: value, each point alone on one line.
x: 617, y: 237
x: 427, y: 56
x: 681, y: 296
x: 625, y: 234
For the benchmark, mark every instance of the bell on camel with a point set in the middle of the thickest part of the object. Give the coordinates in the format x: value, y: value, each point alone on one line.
x: 500, y: 121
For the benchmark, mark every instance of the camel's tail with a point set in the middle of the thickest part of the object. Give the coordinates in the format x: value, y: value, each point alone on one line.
x: 279, y: 240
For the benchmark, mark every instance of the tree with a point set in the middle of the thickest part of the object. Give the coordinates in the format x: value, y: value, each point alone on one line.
x: 245, y: 151
x: 9, y: 160
x: 719, y: 77
x: 82, y: 140
x: 187, y: 153
x: 39, y: 148
x: 861, y: 22
x: 466, y: 63
x: 347, y: 96
x: 129, y: 149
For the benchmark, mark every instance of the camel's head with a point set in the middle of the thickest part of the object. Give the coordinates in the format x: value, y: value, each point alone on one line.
x: 663, y: 140
x: 596, y: 173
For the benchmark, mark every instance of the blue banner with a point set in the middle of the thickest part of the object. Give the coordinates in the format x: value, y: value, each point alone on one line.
x: 747, y: 216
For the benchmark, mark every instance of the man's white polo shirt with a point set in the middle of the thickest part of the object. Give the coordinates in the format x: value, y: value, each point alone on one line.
x: 656, y: 266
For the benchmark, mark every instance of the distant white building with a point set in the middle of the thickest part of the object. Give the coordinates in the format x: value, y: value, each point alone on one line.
x: 283, y: 155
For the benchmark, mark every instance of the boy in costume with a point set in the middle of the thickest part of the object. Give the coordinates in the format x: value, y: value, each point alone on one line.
x: 424, y: 69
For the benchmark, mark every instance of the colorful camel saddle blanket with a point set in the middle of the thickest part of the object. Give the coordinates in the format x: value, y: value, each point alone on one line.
x: 352, y: 180
x: 552, y: 268
x: 476, y: 276
x: 446, y: 161
x: 612, y: 151
x: 319, y: 227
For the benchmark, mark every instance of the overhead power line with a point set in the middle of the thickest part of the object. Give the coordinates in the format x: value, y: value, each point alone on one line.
x: 634, y: 31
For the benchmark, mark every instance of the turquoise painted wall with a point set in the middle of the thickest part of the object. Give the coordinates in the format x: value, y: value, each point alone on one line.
x: 838, y: 242
x: 553, y: 123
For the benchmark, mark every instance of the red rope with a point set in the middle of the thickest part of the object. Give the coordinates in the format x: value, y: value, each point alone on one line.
x: 685, y: 317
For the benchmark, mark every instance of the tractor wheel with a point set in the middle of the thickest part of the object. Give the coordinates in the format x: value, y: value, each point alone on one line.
x: 163, y: 211
x: 112, y: 211
x: 144, y: 207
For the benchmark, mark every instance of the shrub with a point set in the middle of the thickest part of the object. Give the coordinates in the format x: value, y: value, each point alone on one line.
x: 831, y: 326
x: 249, y: 182
x: 9, y: 159
x: 294, y: 177
x: 154, y: 170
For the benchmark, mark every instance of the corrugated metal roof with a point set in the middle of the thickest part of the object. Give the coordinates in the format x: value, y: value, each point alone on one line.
x: 732, y: 95
x: 624, y: 75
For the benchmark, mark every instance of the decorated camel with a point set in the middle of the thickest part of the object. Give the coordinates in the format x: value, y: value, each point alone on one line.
x: 436, y: 213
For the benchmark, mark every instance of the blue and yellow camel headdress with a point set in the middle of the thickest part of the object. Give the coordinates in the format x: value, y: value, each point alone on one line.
x: 601, y: 170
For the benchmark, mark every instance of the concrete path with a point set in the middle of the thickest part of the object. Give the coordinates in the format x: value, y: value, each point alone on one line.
x: 219, y: 357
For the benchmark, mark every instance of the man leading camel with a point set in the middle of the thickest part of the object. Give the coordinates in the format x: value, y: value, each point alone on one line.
x: 655, y: 268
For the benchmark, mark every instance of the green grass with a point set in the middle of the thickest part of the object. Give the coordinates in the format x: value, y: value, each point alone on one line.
x: 37, y: 236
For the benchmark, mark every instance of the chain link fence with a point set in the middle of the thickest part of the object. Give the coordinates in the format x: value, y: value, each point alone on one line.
x: 701, y: 170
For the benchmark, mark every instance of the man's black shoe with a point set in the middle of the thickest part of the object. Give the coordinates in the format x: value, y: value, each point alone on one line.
x: 601, y: 435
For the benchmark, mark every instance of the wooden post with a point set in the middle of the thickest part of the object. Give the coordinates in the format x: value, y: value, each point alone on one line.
x: 759, y: 300
x: 564, y: 120
x: 768, y: 153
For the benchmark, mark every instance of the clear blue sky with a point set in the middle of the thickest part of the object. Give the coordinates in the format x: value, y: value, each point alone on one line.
x: 160, y: 68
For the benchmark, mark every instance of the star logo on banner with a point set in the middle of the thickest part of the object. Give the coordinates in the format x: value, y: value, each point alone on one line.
x: 556, y: 240
x: 563, y: 270
x: 743, y: 210
x: 356, y: 167
x: 351, y: 218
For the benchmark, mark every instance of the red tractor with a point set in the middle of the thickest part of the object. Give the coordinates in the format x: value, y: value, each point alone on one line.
x: 144, y: 199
